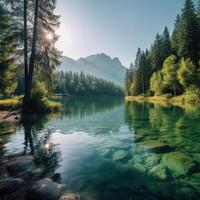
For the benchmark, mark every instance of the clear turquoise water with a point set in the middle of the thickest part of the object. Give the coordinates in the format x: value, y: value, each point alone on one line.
x: 106, y: 149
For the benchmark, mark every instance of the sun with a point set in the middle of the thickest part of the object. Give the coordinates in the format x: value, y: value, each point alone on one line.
x: 49, y: 36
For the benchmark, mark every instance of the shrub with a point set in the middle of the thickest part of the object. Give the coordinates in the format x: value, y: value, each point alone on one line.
x: 40, y: 101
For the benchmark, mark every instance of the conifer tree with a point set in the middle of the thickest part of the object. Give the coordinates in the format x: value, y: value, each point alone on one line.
x: 7, y: 55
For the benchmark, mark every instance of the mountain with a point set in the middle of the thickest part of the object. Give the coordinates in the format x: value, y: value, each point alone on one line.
x: 99, y: 65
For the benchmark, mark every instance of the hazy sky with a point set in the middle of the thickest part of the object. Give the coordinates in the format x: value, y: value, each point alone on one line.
x: 115, y: 27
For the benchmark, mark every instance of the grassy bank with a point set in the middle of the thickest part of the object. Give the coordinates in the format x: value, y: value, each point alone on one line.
x: 11, y: 103
x: 187, y: 98
x: 41, y: 105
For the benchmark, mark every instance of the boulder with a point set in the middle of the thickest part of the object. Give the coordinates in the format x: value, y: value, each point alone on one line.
x: 10, y: 185
x: 159, y: 171
x: 179, y: 163
x: 152, y: 160
x: 70, y: 196
x: 20, y: 165
x: 139, y: 167
x: 46, y: 189
x: 155, y: 145
x: 119, y: 155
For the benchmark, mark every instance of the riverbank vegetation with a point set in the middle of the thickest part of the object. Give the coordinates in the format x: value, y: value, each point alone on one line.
x: 170, y: 69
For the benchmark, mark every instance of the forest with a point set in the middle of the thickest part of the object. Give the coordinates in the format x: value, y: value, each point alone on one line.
x: 171, y: 66
x: 83, y: 84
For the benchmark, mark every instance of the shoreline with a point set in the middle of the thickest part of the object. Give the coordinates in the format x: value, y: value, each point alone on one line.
x: 175, y: 101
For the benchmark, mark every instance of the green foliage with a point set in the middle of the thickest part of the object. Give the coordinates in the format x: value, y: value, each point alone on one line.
x: 40, y: 101
x: 169, y: 72
x: 156, y: 83
x: 82, y: 84
x: 12, y: 103
x: 162, y: 68
x: 7, y: 52
x: 188, y: 46
x: 187, y: 73
x: 160, y: 50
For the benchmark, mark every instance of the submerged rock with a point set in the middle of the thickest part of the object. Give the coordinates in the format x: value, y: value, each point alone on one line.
x: 70, y: 196
x: 119, y: 155
x: 20, y: 165
x: 152, y: 160
x: 10, y: 185
x: 155, y: 145
x: 46, y: 189
x: 139, y: 167
x: 179, y: 163
x: 159, y: 171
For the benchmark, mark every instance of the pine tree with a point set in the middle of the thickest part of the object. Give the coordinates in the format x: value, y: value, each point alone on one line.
x: 188, y: 32
x: 175, y: 36
x: 7, y: 55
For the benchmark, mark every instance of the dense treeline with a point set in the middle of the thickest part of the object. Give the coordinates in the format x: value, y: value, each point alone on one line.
x: 172, y: 64
x: 83, y: 84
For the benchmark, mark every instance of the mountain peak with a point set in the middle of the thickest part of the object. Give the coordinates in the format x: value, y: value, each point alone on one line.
x: 100, y: 65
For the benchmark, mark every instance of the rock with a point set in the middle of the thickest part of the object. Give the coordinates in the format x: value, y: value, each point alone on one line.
x: 139, y: 167
x: 152, y: 160
x: 163, y: 190
x: 70, y: 196
x: 155, y: 145
x: 159, y: 171
x: 20, y: 165
x: 179, y: 163
x: 185, y: 194
x: 194, y: 181
x: 10, y: 185
x: 137, y: 158
x: 46, y: 189
x: 104, y: 152
x: 36, y: 173
x: 119, y: 155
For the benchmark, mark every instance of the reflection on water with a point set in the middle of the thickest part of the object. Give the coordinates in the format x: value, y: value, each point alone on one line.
x: 109, y: 150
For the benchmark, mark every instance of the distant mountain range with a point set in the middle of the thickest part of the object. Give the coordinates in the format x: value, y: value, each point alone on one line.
x: 99, y: 65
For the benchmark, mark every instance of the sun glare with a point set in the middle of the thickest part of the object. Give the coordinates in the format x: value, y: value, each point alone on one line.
x: 49, y: 36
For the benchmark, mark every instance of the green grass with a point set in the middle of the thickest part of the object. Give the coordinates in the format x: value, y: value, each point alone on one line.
x: 44, y: 105
x: 189, y: 97
x: 12, y: 103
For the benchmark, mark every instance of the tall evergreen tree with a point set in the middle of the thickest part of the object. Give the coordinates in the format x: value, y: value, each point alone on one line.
x: 175, y: 36
x: 188, y: 32
x: 7, y: 55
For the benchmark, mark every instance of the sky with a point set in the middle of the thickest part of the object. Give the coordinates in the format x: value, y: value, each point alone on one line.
x: 114, y: 27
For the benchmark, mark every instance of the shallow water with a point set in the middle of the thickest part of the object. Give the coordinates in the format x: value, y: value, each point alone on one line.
x: 106, y: 149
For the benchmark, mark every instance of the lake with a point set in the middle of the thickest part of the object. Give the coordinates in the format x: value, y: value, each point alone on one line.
x: 106, y: 149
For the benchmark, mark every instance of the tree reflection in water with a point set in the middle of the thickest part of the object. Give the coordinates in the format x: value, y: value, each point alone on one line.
x: 39, y: 144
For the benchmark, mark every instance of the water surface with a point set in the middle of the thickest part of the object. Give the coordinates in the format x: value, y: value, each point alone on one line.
x: 105, y: 149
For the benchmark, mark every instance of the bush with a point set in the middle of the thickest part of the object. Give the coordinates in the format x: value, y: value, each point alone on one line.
x: 191, y: 95
x: 40, y: 101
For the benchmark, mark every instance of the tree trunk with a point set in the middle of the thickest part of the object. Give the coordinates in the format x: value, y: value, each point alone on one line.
x: 25, y: 54
x: 174, y: 90
x: 33, y: 51
x: 143, y: 85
